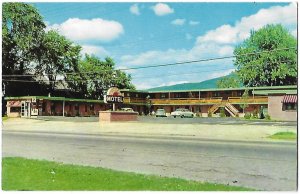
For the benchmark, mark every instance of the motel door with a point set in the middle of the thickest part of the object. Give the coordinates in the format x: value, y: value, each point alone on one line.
x: 25, y: 109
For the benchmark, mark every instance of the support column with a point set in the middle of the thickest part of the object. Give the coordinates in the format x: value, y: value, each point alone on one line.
x: 114, y: 107
x: 63, y: 108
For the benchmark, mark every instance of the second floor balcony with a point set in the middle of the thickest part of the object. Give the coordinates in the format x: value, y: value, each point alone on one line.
x: 199, y: 101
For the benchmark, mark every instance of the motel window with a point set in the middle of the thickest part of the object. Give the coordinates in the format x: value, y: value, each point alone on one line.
x: 76, y: 107
x: 240, y: 93
x: 289, y: 106
x: 15, y: 109
x: 216, y: 94
x: 85, y: 107
x: 127, y: 94
x: 136, y: 95
x: 163, y: 95
x: 177, y: 95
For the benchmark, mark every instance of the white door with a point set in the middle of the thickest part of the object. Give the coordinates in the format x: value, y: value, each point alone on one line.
x: 25, y: 109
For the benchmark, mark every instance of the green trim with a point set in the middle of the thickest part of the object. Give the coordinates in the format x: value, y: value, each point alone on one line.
x: 226, y: 89
x: 212, y: 89
x: 251, y: 103
x: 53, y: 99
x: 267, y: 92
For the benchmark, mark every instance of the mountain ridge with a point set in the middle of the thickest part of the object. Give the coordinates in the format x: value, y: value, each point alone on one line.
x: 206, y: 84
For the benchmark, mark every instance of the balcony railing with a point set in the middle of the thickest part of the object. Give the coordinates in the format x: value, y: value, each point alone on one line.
x: 134, y: 100
x: 187, y: 101
x: 214, y: 100
x: 256, y: 99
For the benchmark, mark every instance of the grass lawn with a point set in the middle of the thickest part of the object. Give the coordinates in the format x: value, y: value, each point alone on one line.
x: 284, y: 135
x: 26, y: 174
x: 4, y: 118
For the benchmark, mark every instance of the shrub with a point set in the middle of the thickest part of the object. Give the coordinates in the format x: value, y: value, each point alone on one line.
x: 209, y: 114
x: 255, y: 114
x: 267, y: 117
x: 222, y: 112
x: 247, y: 115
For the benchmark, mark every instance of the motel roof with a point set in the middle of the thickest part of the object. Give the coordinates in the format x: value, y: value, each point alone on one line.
x: 270, y: 88
x: 270, y: 92
x: 53, y: 99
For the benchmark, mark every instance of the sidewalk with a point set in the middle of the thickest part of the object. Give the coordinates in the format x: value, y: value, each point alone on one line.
x: 200, y: 131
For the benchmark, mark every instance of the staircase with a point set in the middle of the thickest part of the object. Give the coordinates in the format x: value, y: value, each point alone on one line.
x: 228, y: 107
x: 231, y: 109
x: 214, y: 108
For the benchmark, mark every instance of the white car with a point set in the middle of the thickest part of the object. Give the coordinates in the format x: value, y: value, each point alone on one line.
x: 182, y: 112
x: 127, y: 109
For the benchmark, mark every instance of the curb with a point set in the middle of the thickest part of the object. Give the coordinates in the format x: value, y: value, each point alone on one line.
x: 163, y: 137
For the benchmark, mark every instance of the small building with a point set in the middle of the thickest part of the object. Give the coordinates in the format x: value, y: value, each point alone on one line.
x: 282, y: 104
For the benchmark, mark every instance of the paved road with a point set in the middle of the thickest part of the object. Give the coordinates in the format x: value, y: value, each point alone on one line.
x: 171, y: 120
x: 264, y: 166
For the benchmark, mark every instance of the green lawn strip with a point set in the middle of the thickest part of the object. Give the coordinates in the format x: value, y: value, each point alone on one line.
x: 284, y: 135
x: 26, y: 174
x: 4, y: 118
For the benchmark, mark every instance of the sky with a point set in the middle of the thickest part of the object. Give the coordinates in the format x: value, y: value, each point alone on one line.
x: 141, y: 34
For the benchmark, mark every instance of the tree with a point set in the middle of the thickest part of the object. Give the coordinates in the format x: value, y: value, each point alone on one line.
x: 57, y: 56
x: 267, y: 67
x: 94, y: 77
x: 22, y: 29
x: 230, y: 81
x: 244, y: 100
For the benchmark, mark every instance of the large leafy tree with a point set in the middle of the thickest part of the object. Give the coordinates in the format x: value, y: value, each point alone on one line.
x: 49, y: 56
x: 94, y: 77
x: 273, y: 64
x: 22, y: 30
x: 57, y: 57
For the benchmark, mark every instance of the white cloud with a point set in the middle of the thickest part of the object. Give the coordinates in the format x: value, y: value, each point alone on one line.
x: 178, y: 22
x: 134, y: 9
x: 286, y: 15
x: 162, y: 9
x: 95, y: 29
x: 94, y: 50
x: 193, y: 23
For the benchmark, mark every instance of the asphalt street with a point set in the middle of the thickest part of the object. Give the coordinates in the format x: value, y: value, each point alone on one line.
x: 263, y: 166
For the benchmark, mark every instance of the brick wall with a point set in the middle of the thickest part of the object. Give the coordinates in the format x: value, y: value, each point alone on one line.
x: 108, y: 116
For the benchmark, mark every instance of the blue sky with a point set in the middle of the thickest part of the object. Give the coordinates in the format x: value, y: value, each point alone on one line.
x: 140, y: 34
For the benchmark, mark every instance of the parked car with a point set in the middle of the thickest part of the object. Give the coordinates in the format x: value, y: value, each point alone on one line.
x: 182, y: 112
x: 127, y: 109
x: 160, y: 113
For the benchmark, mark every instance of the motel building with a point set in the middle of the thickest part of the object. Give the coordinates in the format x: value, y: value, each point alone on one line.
x: 280, y: 102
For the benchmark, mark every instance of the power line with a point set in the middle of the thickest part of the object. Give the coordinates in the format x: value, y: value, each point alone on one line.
x: 87, y: 80
x: 82, y: 80
x: 162, y: 65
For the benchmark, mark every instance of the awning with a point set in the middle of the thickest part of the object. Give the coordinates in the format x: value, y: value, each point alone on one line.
x: 14, y: 104
x: 289, y: 99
